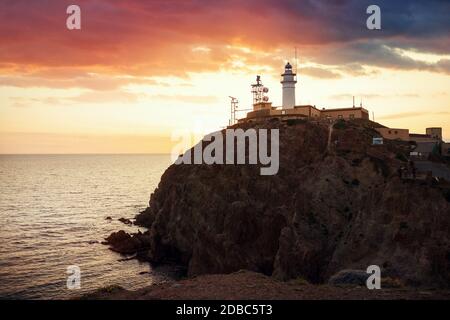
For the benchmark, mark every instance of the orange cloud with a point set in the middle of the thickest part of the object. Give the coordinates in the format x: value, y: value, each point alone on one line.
x: 157, y: 38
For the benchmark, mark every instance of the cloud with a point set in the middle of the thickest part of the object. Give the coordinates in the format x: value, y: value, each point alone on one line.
x: 411, y: 115
x: 102, y: 97
x: 352, y: 57
x: 86, y: 97
x: 186, y: 98
x: 345, y: 20
x: 157, y: 37
x: 443, y: 66
x: 319, y: 73
x: 72, y: 79
x: 25, y: 102
x: 348, y: 96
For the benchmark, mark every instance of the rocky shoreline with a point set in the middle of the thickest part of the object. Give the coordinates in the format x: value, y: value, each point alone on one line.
x: 327, y: 210
x: 246, y: 285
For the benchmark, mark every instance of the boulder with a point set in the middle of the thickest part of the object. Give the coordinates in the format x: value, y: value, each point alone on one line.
x: 126, y: 221
x: 349, y: 277
x: 126, y: 243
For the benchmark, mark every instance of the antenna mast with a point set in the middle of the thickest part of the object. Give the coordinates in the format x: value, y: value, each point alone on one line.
x: 296, y: 61
x: 234, y: 106
x: 259, y: 91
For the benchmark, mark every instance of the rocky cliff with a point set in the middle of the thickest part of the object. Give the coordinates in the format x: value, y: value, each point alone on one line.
x: 335, y: 204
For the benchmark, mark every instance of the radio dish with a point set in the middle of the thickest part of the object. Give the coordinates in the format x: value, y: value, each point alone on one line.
x: 265, y: 90
x: 265, y: 99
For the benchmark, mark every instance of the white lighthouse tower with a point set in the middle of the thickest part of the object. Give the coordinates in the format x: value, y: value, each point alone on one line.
x: 289, y: 79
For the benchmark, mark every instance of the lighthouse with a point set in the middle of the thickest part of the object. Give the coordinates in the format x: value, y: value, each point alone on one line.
x: 288, y: 81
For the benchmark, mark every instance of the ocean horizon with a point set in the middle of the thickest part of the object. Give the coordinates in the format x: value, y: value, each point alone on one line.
x: 53, y: 214
x: 84, y: 154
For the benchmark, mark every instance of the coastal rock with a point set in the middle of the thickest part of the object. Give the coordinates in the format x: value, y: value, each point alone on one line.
x: 255, y: 286
x: 125, y: 243
x: 349, y: 277
x: 126, y: 221
x: 330, y: 207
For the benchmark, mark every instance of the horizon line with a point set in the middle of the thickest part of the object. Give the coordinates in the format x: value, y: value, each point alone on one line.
x: 81, y: 154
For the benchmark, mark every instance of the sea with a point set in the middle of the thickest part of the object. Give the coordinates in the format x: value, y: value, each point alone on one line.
x: 54, y: 213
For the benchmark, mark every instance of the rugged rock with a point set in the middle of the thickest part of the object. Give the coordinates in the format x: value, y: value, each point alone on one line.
x: 126, y: 221
x: 245, y: 285
x: 125, y: 243
x: 330, y: 207
x: 349, y: 277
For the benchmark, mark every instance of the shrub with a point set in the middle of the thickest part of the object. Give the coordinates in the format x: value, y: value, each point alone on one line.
x: 273, y: 120
x: 381, y: 166
x: 340, y: 124
x: 299, y: 282
x: 356, y: 162
x: 292, y: 122
x: 401, y: 157
x: 447, y: 195
x: 389, y: 282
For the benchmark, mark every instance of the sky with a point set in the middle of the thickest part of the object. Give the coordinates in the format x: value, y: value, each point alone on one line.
x: 140, y: 72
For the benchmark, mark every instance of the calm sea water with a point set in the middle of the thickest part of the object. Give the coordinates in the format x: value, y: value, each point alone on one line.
x: 53, y: 211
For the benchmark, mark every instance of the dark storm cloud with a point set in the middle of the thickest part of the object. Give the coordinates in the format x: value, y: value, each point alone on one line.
x: 345, y: 20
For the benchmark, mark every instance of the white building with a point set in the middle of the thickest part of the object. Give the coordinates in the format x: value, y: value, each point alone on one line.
x: 289, y: 79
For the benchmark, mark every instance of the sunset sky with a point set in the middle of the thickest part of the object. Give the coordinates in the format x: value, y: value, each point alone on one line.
x: 139, y: 70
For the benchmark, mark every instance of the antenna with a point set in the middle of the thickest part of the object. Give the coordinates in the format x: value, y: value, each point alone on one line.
x: 234, y: 106
x: 259, y: 91
x: 373, y: 116
x: 296, y: 61
x: 361, y: 104
x: 353, y: 101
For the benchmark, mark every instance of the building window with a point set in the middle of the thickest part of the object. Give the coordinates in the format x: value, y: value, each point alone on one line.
x: 390, y: 132
x: 352, y: 116
x: 395, y: 131
x: 340, y: 116
x: 283, y: 112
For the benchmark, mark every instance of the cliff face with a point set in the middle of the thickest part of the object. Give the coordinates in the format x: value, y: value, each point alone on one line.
x: 327, y: 209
